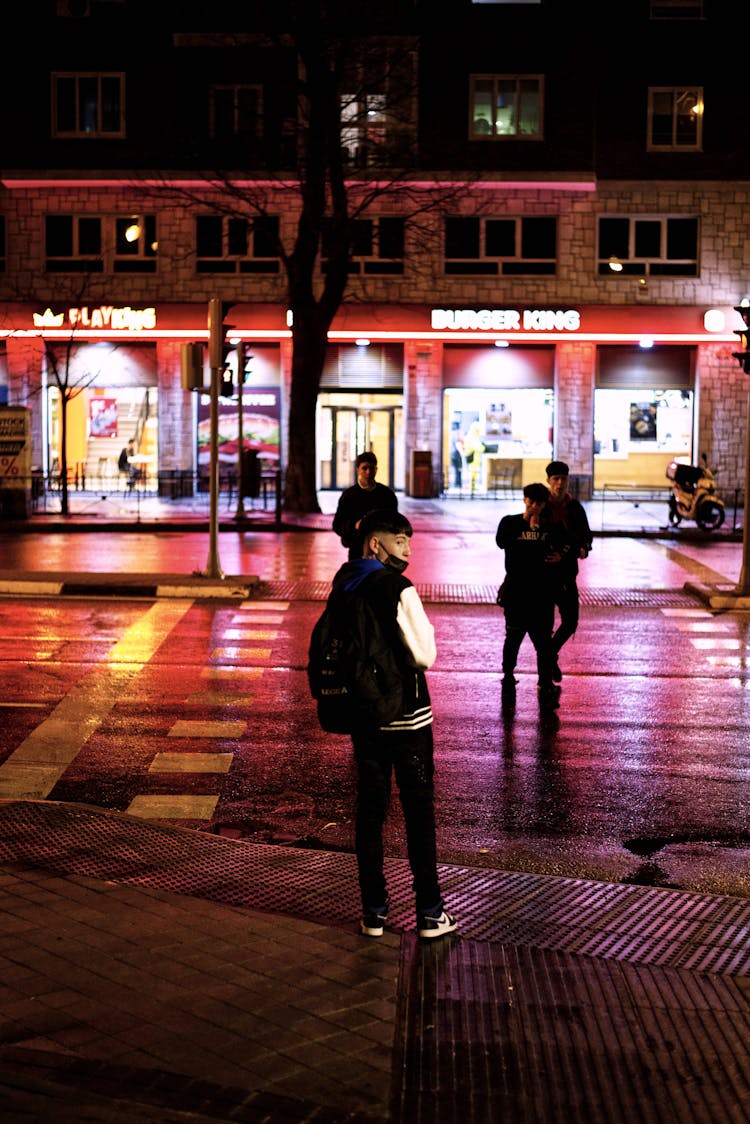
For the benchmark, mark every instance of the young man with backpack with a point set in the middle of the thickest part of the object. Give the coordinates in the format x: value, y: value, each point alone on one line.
x: 383, y: 608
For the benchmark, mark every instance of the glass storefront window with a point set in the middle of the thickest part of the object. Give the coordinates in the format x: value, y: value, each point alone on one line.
x: 637, y: 431
x: 483, y: 428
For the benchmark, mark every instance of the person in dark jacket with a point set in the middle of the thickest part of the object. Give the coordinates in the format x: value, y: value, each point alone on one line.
x: 566, y: 520
x: 405, y: 746
x: 527, y: 597
x: 366, y: 495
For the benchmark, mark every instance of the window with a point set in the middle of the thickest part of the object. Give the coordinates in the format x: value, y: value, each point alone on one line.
x: 99, y: 244
x: 675, y: 119
x: 378, y: 108
x: 237, y: 245
x: 502, y: 106
x: 376, y: 245
x: 501, y: 247
x: 235, y: 111
x: 88, y: 105
x: 649, y: 246
x: 676, y: 9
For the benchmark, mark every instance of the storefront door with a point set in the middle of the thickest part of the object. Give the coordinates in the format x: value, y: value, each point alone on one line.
x: 349, y: 424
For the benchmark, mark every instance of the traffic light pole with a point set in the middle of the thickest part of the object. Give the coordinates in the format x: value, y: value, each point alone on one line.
x: 215, y: 342
x: 743, y: 358
x: 240, y: 513
x: 743, y: 586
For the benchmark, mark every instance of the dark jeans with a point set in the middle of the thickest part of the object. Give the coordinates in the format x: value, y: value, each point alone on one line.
x: 409, y: 755
x: 567, y: 603
x: 536, y: 622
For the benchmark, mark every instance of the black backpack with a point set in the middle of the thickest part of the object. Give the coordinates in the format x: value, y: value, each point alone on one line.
x: 352, y: 669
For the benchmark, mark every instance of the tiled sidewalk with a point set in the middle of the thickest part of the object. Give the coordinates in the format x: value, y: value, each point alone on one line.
x: 149, y: 971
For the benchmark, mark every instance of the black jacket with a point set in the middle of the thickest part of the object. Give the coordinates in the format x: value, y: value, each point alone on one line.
x: 353, y: 504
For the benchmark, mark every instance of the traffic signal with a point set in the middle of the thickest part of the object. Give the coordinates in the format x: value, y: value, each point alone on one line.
x: 219, y: 348
x: 191, y: 366
x: 743, y: 357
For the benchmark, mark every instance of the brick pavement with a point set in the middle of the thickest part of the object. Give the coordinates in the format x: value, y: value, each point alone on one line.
x: 122, y: 1000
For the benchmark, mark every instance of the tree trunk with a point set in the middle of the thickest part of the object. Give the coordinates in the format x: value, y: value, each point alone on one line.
x: 310, y: 336
x: 64, y: 454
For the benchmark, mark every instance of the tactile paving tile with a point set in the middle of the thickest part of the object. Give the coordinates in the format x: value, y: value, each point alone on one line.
x: 668, y: 928
x: 439, y: 593
x: 554, y: 1038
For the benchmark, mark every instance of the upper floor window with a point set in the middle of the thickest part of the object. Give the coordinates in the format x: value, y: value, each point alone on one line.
x: 506, y: 105
x: 501, y: 247
x: 224, y: 244
x: 676, y: 9
x: 675, y: 118
x: 235, y: 111
x: 378, y: 107
x: 88, y: 105
x: 100, y: 243
x: 648, y: 246
x: 376, y: 245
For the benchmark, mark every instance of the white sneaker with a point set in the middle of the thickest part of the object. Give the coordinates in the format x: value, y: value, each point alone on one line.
x: 430, y: 927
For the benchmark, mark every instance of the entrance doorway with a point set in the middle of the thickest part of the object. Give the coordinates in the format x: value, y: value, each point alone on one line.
x: 349, y: 424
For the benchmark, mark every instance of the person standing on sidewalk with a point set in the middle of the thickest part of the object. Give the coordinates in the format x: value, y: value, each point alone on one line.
x: 527, y: 595
x: 405, y: 746
x: 366, y: 495
x: 566, y: 520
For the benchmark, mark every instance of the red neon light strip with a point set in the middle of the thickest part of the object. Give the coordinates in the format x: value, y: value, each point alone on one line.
x: 344, y: 337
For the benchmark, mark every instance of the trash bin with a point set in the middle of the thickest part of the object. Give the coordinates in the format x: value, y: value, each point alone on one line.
x: 250, y: 473
x: 580, y: 486
x: 421, y: 474
x: 168, y: 485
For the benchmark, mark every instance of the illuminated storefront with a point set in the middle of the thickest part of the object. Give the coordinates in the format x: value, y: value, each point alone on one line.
x: 614, y: 391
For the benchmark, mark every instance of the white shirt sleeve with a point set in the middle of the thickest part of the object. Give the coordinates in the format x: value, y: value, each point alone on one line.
x: 416, y: 630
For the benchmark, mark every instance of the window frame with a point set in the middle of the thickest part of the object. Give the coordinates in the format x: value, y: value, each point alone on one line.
x: 77, y: 77
x: 647, y: 265
x: 234, y: 257
x: 140, y: 259
x: 675, y: 91
x: 676, y: 9
x: 236, y: 88
x: 375, y: 263
x: 493, y: 134
x: 378, y: 106
x: 501, y: 265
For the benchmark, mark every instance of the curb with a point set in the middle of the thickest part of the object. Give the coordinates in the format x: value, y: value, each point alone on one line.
x: 129, y: 585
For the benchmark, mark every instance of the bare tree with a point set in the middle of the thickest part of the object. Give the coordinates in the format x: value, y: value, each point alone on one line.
x: 70, y: 383
x: 67, y: 369
x: 355, y: 134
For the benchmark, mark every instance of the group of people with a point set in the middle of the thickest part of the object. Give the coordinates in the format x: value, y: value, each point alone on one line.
x: 543, y: 546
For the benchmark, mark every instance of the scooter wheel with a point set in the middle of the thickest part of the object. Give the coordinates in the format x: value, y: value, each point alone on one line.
x: 710, y: 516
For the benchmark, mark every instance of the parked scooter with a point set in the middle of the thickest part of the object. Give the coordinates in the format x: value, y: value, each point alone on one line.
x: 694, y: 495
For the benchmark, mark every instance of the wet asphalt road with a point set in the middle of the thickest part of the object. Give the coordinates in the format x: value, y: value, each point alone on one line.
x: 199, y: 714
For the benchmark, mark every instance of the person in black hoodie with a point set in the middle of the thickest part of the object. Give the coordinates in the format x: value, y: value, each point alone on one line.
x: 405, y: 746
x: 368, y: 494
x: 567, y: 523
x: 527, y: 594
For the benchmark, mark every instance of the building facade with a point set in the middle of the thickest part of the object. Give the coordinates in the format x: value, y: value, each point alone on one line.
x: 554, y: 270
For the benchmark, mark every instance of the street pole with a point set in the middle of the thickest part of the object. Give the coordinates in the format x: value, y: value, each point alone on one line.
x: 743, y: 586
x: 240, y: 513
x: 215, y: 349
